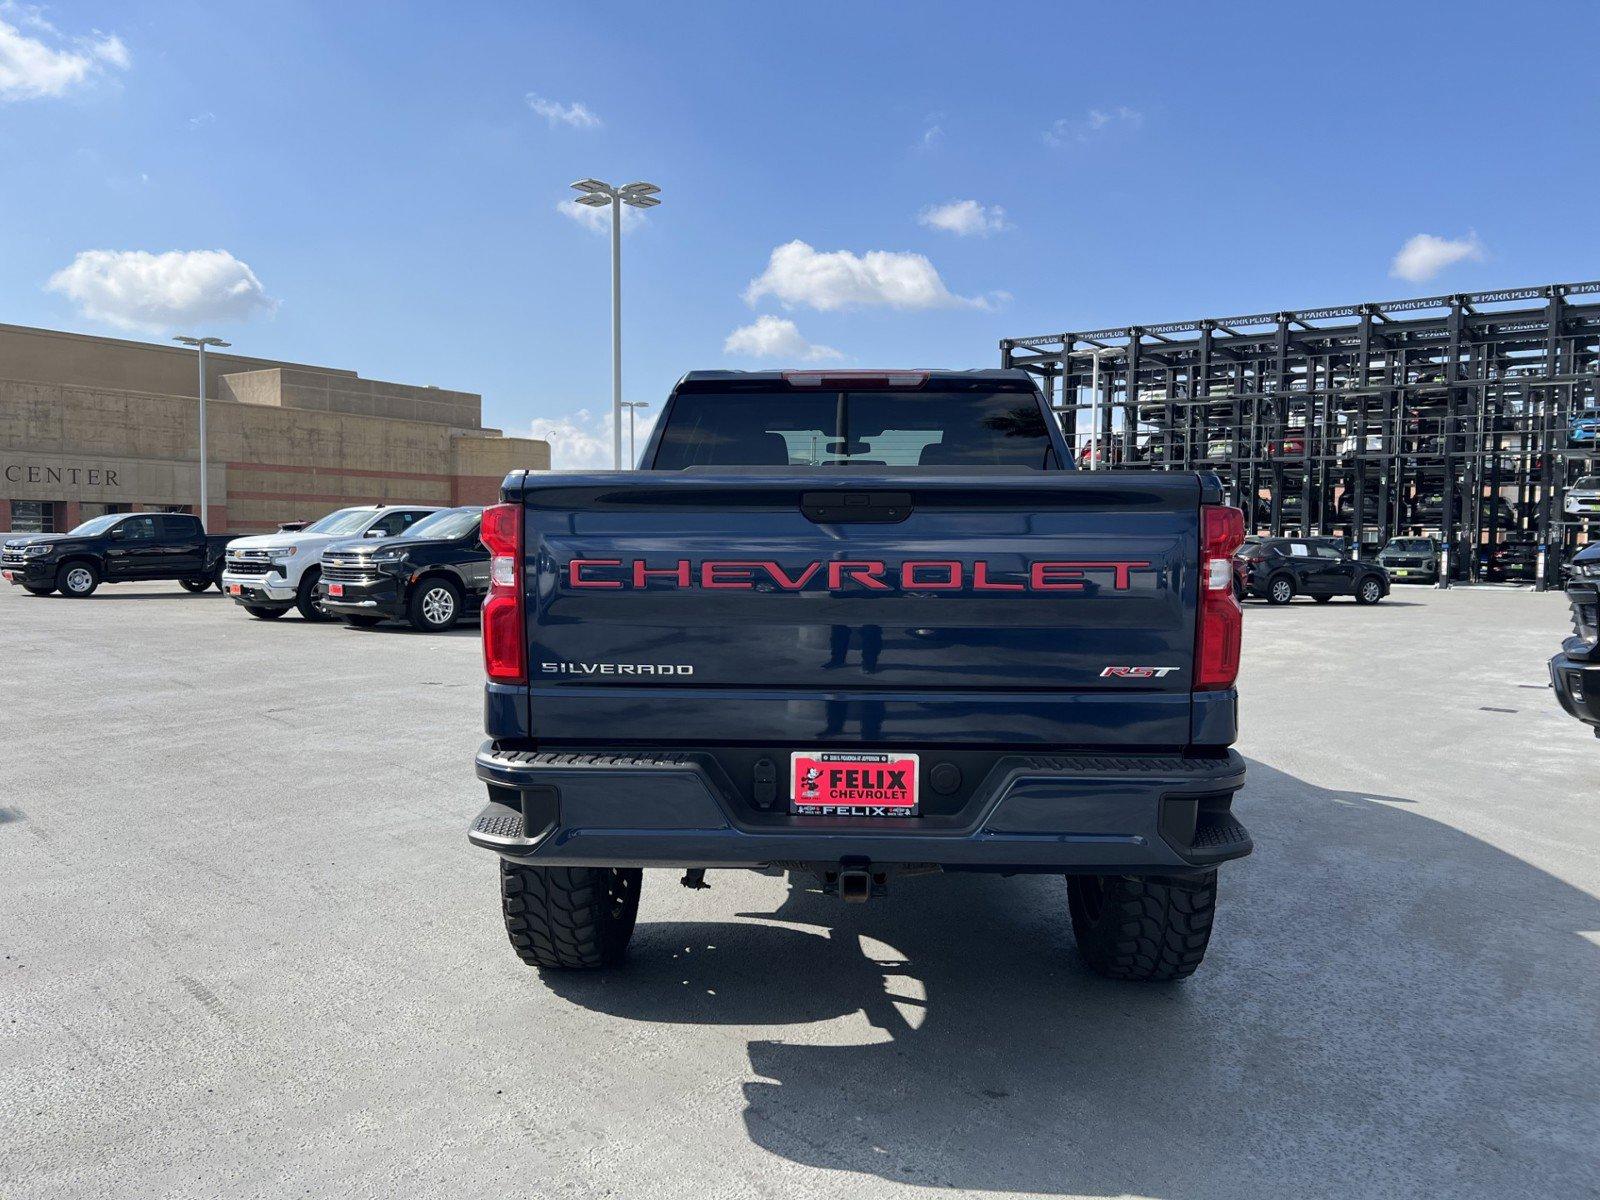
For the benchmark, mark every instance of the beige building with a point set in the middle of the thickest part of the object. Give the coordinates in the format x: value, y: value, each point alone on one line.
x: 91, y: 425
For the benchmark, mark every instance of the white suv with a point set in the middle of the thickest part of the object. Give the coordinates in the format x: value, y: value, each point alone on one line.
x: 273, y: 572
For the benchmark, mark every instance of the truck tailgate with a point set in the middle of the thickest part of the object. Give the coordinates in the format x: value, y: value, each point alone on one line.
x: 764, y: 606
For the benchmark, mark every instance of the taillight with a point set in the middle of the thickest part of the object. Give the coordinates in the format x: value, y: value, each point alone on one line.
x: 505, y: 643
x: 1220, y: 621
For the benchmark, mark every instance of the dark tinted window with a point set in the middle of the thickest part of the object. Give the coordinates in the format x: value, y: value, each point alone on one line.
x: 840, y: 430
x: 177, y: 526
x: 138, y: 529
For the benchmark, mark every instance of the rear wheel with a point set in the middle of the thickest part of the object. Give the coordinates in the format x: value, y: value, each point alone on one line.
x: 194, y: 585
x: 37, y: 589
x: 263, y: 613
x: 77, y: 579
x: 435, y: 605
x: 1280, y: 590
x: 305, y: 596
x: 1369, y: 591
x: 1151, y: 929
x: 569, y: 918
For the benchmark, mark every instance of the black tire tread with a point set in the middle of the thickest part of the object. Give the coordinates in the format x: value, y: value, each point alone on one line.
x: 563, y: 918
x: 1149, y: 929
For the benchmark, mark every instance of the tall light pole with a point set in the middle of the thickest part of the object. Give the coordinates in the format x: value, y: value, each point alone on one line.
x: 633, y: 406
x: 200, y: 345
x: 598, y: 195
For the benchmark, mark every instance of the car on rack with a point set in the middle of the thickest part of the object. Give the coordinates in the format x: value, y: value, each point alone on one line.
x: 115, y: 548
x: 1584, y: 430
x: 1428, y: 510
x: 1575, y: 671
x: 432, y: 575
x: 1417, y: 559
x: 1514, y: 559
x: 1583, y: 497
x: 1279, y: 569
x: 268, y: 574
x: 859, y: 626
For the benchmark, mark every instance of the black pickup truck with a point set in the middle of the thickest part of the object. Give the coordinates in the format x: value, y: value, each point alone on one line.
x: 115, y: 548
x: 861, y: 626
x: 1575, y: 672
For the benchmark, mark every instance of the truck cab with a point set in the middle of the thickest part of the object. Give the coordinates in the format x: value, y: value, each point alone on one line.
x: 858, y: 627
x: 269, y: 574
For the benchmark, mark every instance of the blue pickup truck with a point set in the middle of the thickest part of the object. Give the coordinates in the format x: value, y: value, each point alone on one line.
x: 863, y: 626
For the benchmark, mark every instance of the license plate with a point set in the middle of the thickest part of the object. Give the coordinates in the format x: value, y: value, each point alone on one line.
x: 834, y: 783
x: 235, y: 589
x: 1402, y: 572
x: 336, y: 589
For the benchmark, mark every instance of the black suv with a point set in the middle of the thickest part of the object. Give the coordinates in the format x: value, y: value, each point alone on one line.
x: 1279, y: 569
x: 432, y: 575
x: 1575, y: 672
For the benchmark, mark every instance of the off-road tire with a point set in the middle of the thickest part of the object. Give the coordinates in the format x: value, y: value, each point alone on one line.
x: 262, y: 612
x: 1149, y: 929
x: 194, y: 585
x: 35, y: 589
x: 361, y: 622
x: 1369, y: 590
x: 1280, y: 589
x: 70, y: 579
x: 569, y: 918
x: 305, y: 596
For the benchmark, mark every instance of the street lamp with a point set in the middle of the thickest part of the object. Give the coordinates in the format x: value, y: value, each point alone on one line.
x: 598, y: 195
x: 633, y: 406
x: 200, y: 345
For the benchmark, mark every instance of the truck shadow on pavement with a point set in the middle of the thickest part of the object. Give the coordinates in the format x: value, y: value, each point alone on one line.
x: 1390, y: 1006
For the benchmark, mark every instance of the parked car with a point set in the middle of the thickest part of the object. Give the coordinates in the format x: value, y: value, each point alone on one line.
x: 1416, y: 560
x: 1279, y: 569
x: 115, y: 548
x: 1429, y: 510
x: 271, y: 573
x: 682, y: 643
x: 433, y: 574
x: 1583, y: 497
x: 1515, y: 559
x: 1371, y: 506
x: 1575, y: 671
x: 1584, y: 430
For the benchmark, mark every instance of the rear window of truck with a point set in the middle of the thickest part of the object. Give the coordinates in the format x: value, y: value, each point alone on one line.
x: 854, y: 429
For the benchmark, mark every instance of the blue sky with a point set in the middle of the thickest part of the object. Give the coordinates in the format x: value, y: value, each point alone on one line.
x: 383, y: 181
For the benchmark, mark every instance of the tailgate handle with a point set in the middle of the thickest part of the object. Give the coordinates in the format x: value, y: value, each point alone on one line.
x: 860, y: 508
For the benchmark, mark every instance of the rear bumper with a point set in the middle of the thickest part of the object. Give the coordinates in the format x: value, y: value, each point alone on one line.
x: 1067, y: 812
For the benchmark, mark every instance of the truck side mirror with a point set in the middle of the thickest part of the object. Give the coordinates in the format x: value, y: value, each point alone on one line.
x: 373, y: 533
x: 117, y: 533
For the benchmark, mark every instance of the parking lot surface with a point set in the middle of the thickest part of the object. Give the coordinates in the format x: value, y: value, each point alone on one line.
x: 248, y: 951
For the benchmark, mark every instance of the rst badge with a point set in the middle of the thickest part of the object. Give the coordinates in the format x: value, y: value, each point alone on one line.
x: 1138, y: 672
x: 833, y: 783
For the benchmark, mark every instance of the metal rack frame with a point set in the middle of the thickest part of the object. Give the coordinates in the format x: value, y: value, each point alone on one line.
x: 1350, y: 420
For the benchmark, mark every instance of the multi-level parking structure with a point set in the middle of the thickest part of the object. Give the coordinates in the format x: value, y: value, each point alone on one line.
x: 1363, y: 421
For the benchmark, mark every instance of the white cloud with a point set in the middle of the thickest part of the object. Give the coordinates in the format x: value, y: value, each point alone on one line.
x: 932, y: 137
x: 775, y: 337
x: 202, y: 119
x: 582, y: 439
x: 965, y: 218
x: 1425, y: 255
x: 598, y: 220
x: 575, y: 115
x: 134, y: 289
x: 1096, y: 121
x: 43, y: 62
x: 798, y: 274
